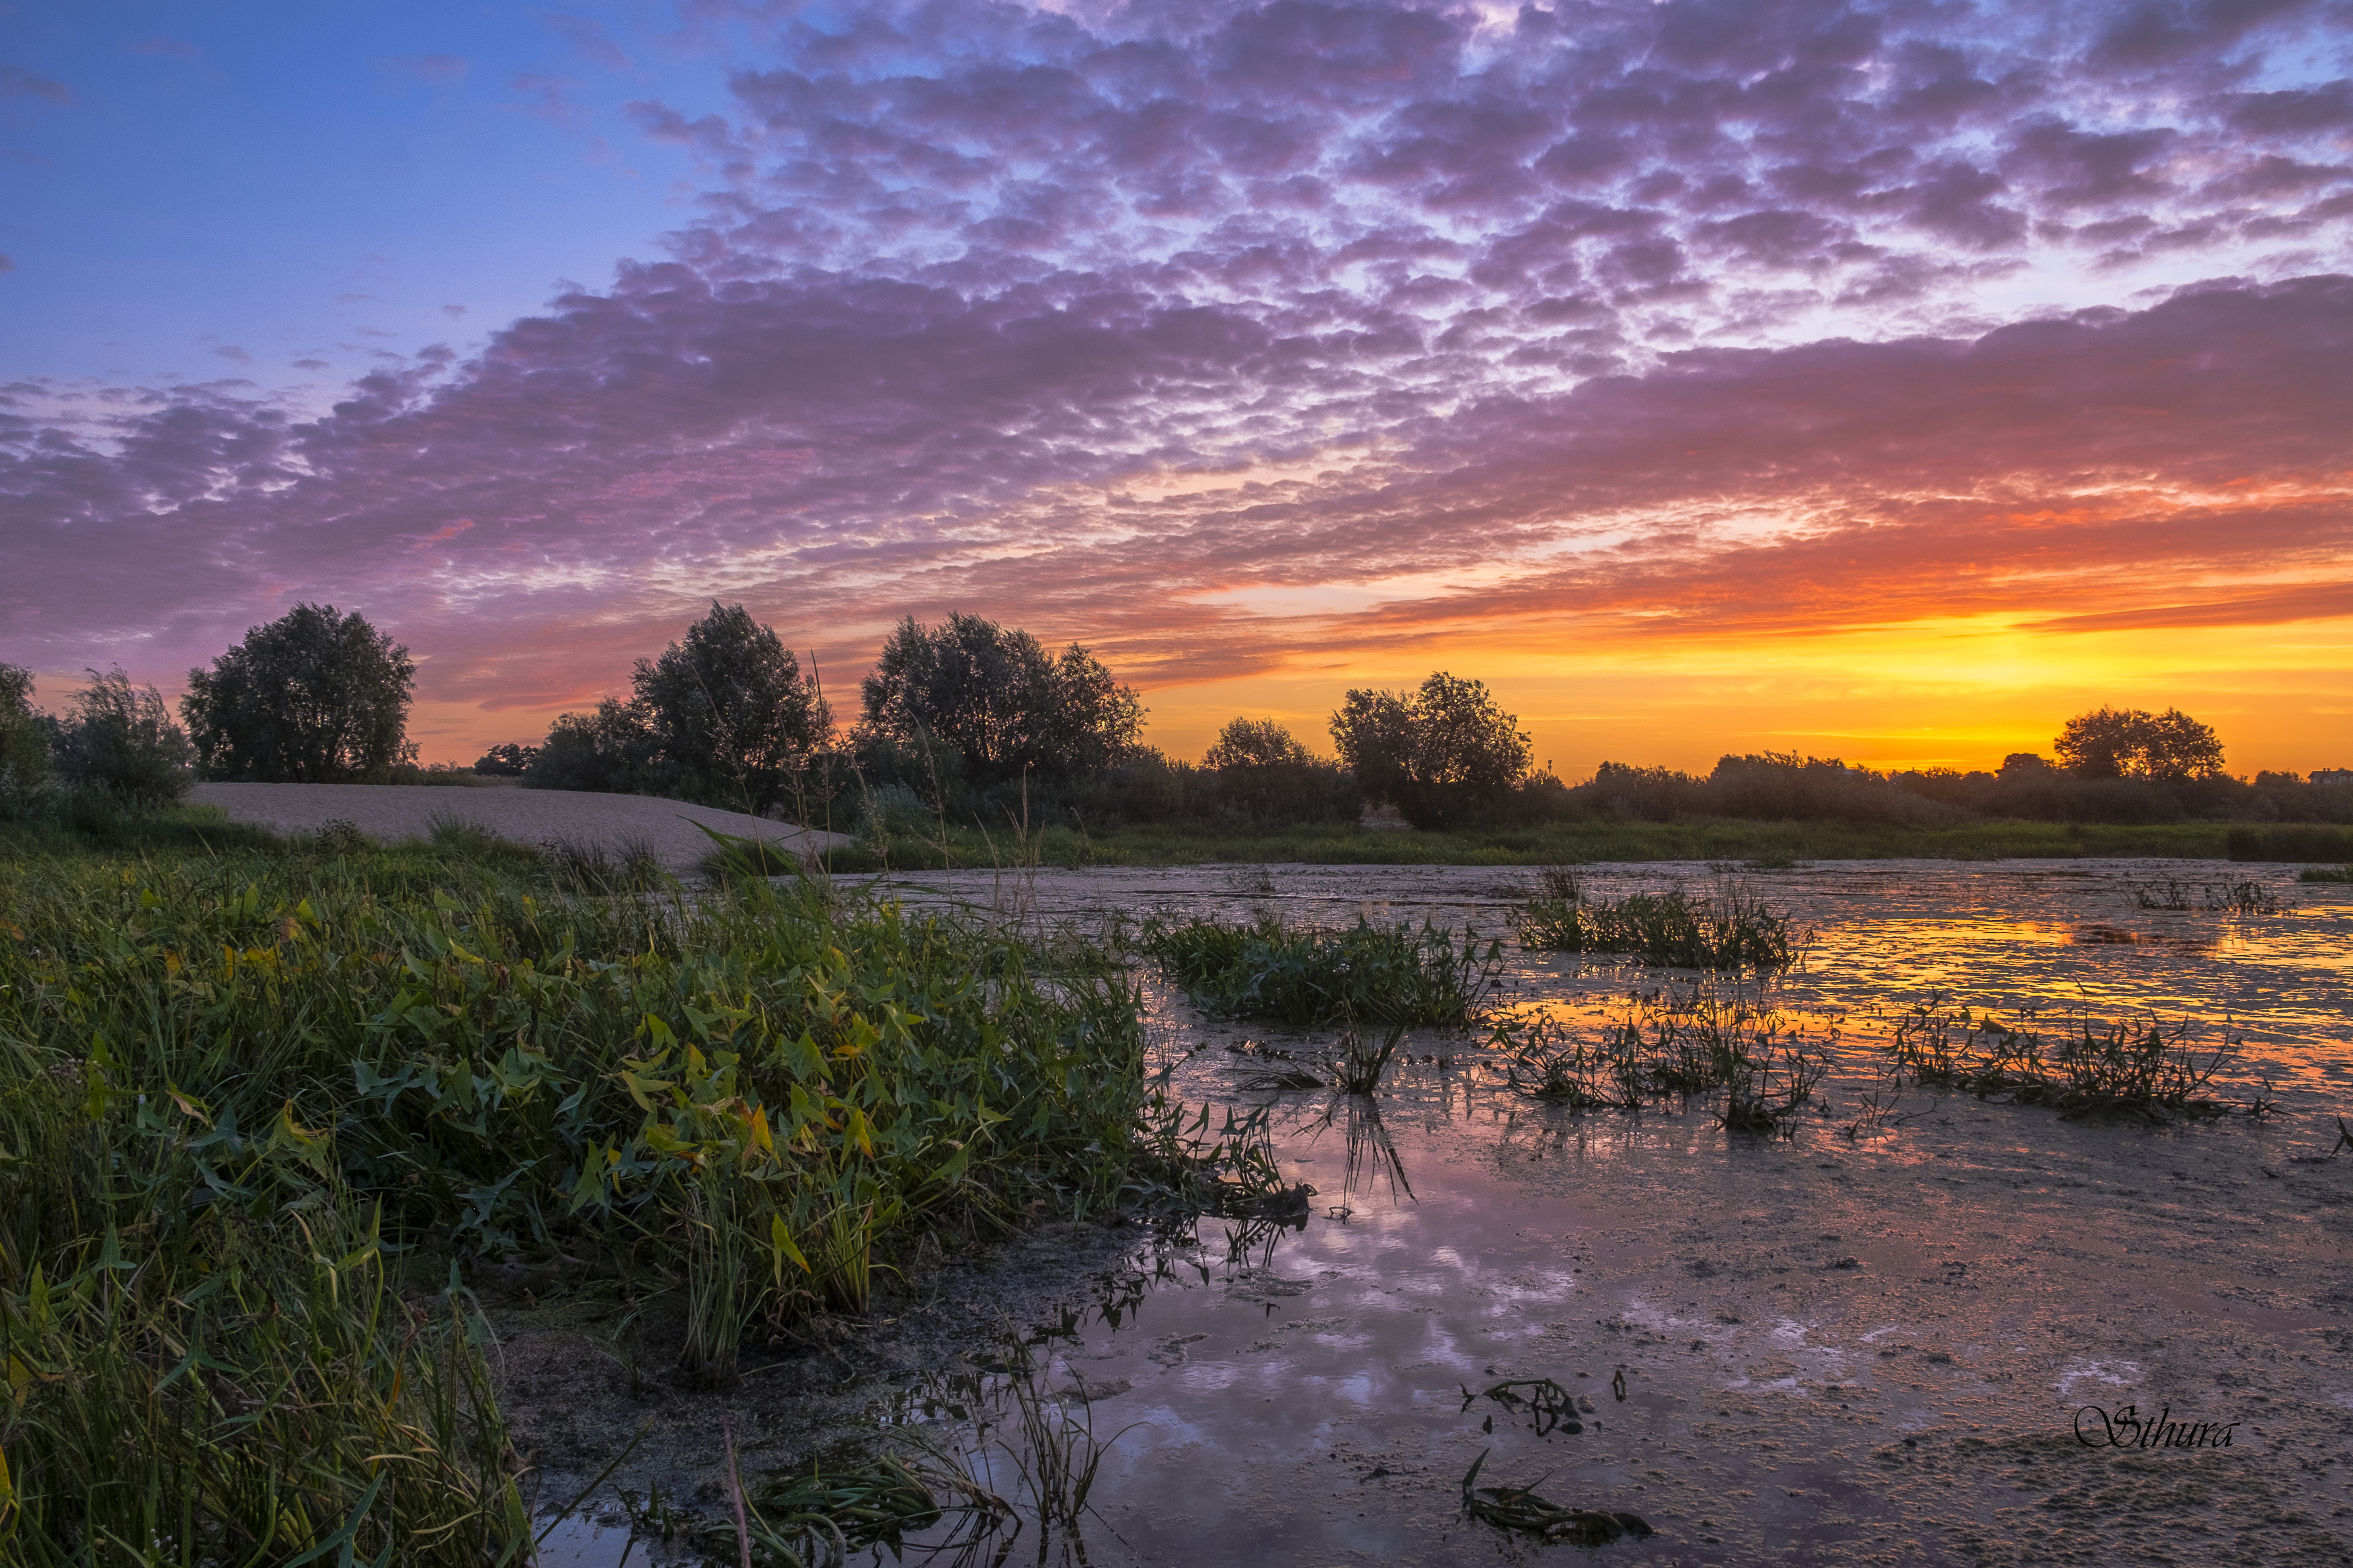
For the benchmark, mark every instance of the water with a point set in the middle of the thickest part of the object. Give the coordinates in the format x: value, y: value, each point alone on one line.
x: 1874, y: 1348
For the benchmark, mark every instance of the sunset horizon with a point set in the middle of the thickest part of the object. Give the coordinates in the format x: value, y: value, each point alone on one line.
x: 1826, y: 380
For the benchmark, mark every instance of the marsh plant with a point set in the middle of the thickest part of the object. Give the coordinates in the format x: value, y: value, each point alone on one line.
x: 2244, y: 897
x: 1674, y: 1047
x: 234, y: 1090
x: 1300, y: 975
x: 1671, y: 929
x: 2144, y: 1069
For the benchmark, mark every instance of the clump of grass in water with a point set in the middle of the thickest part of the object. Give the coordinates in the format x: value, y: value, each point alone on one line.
x: 1311, y: 978
x: 2134, y: 1069
x: 2245, y: 897
x: 1672, y: 1046
x: 2325, y: 874
x: 1668, y: 929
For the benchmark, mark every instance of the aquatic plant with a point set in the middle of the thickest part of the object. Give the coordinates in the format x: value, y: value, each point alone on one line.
x: 1667, y: 929
x: 1358, y: 1065
x: 2325, y: 874
x: 1308, y: 977
x: 2245, y: 897
x: 1676, y: 1045
x: 1519, y: 1509
x: 2141, y: 1069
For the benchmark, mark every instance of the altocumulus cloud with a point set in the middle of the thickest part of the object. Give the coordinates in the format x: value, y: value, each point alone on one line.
x: 1673, y: 318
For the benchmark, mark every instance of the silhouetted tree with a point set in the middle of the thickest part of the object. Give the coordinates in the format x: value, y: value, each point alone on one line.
x: 728, y: 708
x: 999, y: 699
x: 2129, y: 742
x: 121, y: 739
x: 1264, y: 775
x: 610, y: 750
x: 510, y: 761
x: 1437, y: 754
x: 1254, y: 743
x: 312, y: 698
x: 24, y: 746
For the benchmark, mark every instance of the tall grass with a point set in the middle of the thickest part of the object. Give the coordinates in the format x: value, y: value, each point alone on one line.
x: 1668, y: 929
x: 2143, y: 1069
x: 1747, y: 1062
x: 229, y: 1086
x: 1304, y: 976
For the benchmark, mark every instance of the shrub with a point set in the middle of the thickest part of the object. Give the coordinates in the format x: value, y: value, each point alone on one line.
x: 312, y: 698
x: 2289, y: 844
x: 119, y: 739
x: 1261, y: 775
x: 610, y: 750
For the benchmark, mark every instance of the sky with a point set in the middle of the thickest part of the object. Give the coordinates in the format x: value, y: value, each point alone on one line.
x: 1884, y: 381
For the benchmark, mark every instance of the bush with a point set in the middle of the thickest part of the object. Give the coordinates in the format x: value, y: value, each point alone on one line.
x: 611, y: 749
x: 119, y: 740
x: 1260, y: 774
x: 312, y: 698
x: 2314, y: 844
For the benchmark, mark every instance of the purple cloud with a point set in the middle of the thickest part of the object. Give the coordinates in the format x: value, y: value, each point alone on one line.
x: 1667, y: 316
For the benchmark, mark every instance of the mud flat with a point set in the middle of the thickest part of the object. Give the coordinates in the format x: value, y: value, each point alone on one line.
x: 1960, y: 1331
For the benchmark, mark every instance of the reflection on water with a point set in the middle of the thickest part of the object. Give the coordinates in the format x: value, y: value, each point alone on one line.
x: 1861, y: 1341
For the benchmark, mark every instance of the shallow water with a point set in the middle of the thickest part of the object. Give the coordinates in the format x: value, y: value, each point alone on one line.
x: 1832, y: 1348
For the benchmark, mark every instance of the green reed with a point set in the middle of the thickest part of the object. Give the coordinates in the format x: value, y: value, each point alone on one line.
x: 1666, y: 929
x: 1300, y: 975
x: 2145, y: 1069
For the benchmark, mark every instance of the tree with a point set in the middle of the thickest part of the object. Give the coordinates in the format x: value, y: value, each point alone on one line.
x: 24, y: 746
x: 121, y: 739
x: 312, y: 698
x: 2129, y: 742
x: 610, y: 750
x: 512, y: 760
x: 1436, y: 754
x: 728, y: 708
x: 998, y: 698
x: 1254, y: 743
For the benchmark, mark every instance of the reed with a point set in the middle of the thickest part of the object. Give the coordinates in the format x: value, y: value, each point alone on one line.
x: 1668, y: 929
x: 1304, y: 976
x: 2144, y: 1069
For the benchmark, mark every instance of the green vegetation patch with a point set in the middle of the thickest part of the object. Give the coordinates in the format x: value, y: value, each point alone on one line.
x: 235, y: 1089
x: 1670, y: 930
x: 1549, y: 844
x: 1307, y: 977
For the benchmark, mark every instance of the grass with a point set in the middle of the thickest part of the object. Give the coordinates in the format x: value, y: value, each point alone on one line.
x: 2240, y: 898
x: 2325, y: 874
x: 1765, y: 845
x: 260, y: 1108
x: 1742, y: 1058
x: 2140, y: 1069
x: 1307, y: 977
x: 1521, y: 1510
x: 1668, y: 929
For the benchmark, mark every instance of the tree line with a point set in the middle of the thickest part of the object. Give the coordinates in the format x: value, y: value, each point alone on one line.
x: 968, y: 721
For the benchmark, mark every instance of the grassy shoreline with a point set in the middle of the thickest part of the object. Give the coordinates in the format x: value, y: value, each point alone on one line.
x: 1565, y: 842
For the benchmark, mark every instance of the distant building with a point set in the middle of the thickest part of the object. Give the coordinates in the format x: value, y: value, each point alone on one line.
x: 2343, y: 777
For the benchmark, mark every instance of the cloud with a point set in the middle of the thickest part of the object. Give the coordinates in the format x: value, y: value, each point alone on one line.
x: 588, y: 38
x: 1210, y: 331
x: 16, y: 81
